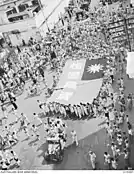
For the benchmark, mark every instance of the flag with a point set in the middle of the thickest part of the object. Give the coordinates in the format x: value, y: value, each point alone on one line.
x: 94, y: 69
x: 80, y: 81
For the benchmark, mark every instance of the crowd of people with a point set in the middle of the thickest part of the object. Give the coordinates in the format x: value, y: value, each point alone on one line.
x: 66, y: 111
x: 56, y: 133
x: 83, y: 37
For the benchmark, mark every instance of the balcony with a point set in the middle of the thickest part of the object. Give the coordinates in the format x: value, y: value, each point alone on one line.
x: 17, y: 14
x: 21, y: 25
x: 29, y: 12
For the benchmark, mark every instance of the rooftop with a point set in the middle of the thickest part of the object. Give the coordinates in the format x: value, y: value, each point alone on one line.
x: 3, y: 2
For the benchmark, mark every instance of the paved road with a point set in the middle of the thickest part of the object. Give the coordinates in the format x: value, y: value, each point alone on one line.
x: 31, y: 151
x: 90, y: 135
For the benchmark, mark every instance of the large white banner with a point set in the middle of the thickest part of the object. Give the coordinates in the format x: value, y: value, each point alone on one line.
x: 71, y: 89
x: 130, y: 64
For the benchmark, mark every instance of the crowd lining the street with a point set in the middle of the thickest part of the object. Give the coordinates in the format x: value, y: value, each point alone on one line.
x: 81, y: 38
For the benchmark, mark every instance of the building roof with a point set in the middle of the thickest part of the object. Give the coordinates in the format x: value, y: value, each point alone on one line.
x: 25, y: 1
x: 4, y: 2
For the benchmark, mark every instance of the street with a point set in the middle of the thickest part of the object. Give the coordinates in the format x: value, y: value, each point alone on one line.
x: 91, y: 134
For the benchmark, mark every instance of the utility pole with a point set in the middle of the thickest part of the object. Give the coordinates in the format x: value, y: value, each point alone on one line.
x: 41, y: 7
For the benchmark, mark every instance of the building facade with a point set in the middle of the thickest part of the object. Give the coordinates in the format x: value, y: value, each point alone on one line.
x: 22, y: 19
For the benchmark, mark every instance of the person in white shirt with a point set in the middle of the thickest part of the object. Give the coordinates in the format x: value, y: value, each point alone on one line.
x: 46, y: 108
x: 71, y: 110
x: 63, y: 111
x: 25, y: 118
x: 6, y: 130
x: 39, y: 103
x: 130, y: 133
x: 79, y: 111
x: 113, y: 148
x: 122, y: 82
x: 74, y: 137
x: 107, y: 159
x: 127, y: 118
x: 14, y: 136
x: 120, y: 141
x: 76, y: 111
x: 82, y: 110
x: 92, y: 159
x: 6, y: 158
x: 4, y: 110
x: 126, y: 158
x: 10, y: 140
x: 35, y: 131
x: 4, y: 165
x: 15, y: 113
x: 15, y: 158
x: 36, y: 117
x: 58, y: 119
x: 126, y: 145
x: 114, y: 163
x: 24, y: 127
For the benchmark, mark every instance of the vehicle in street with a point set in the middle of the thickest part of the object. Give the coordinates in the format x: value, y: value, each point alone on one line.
x: 55, y: 152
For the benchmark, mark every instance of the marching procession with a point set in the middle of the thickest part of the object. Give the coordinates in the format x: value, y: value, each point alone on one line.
x: 82, y: 38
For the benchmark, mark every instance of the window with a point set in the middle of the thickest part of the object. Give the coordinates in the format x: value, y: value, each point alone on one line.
x: 35, y: 2
x: 15, y: 32
x: 12, y: 11
x: 37, y: 9
x: 17, y: 18
x: 22, y: 7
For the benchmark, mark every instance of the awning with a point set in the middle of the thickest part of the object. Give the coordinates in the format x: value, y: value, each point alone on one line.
x: 17, y: 14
